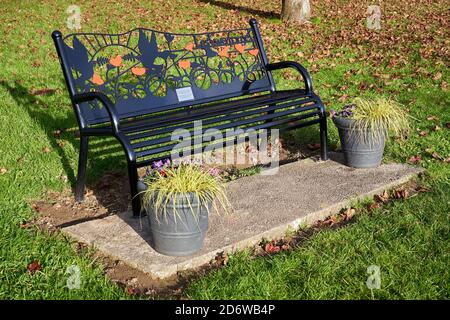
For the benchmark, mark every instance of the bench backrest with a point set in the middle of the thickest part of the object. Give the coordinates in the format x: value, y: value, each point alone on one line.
x: 144, y: 70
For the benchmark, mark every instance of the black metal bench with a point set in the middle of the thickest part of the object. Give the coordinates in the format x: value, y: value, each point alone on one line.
x: 140, y: 85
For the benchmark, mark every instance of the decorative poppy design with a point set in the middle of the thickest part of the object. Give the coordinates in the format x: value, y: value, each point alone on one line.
x: 239, y: 47
x: 116, y: 62
x: 96, y: 79
x: 224, y: 52
x: 138, y: 71
x: 161, y: 62
x: 184, y: 64
x: 254, y: 52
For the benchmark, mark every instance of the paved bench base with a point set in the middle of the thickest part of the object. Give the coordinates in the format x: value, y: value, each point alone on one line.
x: 301, y: 193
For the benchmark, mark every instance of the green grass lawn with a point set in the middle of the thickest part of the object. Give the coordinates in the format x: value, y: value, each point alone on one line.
x: 408, y: 240
x: 407, y: 59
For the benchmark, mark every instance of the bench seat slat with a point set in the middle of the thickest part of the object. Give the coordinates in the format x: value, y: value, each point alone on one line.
x: 299, y: 124
x: 240, y: 124
x: 223, y: 118
x: 161, y: 119
x: 185, y: 115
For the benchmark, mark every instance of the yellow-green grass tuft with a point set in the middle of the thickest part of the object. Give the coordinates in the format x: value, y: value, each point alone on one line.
x: 165, y: 188
x: 378, y: 117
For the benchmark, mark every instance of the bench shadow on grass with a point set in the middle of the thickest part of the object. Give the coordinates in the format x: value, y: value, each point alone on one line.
x: 103, y: 171
x: 33, y: 105
x: 256, y: 12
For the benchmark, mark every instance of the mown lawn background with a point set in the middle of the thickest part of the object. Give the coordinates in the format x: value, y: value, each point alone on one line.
x: 407, y: 60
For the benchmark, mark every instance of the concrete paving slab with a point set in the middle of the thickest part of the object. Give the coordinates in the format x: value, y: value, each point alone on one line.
x: 301, y: 193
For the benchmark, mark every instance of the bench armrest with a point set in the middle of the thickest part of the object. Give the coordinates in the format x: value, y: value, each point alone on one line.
x: 292, y: 64
x: 106, y: 102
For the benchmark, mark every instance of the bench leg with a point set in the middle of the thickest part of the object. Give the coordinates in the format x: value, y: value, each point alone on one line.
x: 135, y: 199
x: 269, y: 133
x: 82, y: 161
x: 323, y: 139
x: 269, y: 113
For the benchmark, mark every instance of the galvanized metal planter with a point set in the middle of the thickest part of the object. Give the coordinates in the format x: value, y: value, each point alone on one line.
x: 180, y: 231
x: 359, y: 152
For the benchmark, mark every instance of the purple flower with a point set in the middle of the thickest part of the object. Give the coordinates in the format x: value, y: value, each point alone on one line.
x: 158, y: 165
x: 347, y: 111
x: 214, y: 172
x: 167, y: 163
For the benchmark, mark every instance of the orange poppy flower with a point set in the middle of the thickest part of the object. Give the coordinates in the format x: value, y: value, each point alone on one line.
x: 138, y: 71
x: 224, y: 52
x: 116, y: 62
x: 239, y: 47
x: 184, y: 64
x: 96, y: 79
x: 254, y: 52
x: 189, y: 46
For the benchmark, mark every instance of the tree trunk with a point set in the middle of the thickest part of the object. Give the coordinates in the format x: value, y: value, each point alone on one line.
x: 296, y: 11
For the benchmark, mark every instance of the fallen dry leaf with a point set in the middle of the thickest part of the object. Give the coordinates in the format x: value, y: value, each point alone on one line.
x: 432, y: 118
x: 373, y: 206
x: 46, y: 150
x: 436, y: 128
x: 401, y: 194
x: 436, y: 155
x: 177, y: 291
x: 348, y: 214
x: 415, y: 159
x: 383, y: 198
x: 423, y: 133
x: 330, y: 221
x: 24, y: 225
x: 34, y: 266
x: 438, y: 76
x: 271, y: 249
x: 362, y: 86
x: 36, y: 63
x: 422, y: 189
x: 35, y: 207
x: 39, y: 92
x: 343, y: 98
x: 221, y: 259
x: 57, y: 133
x: 3, y: 170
